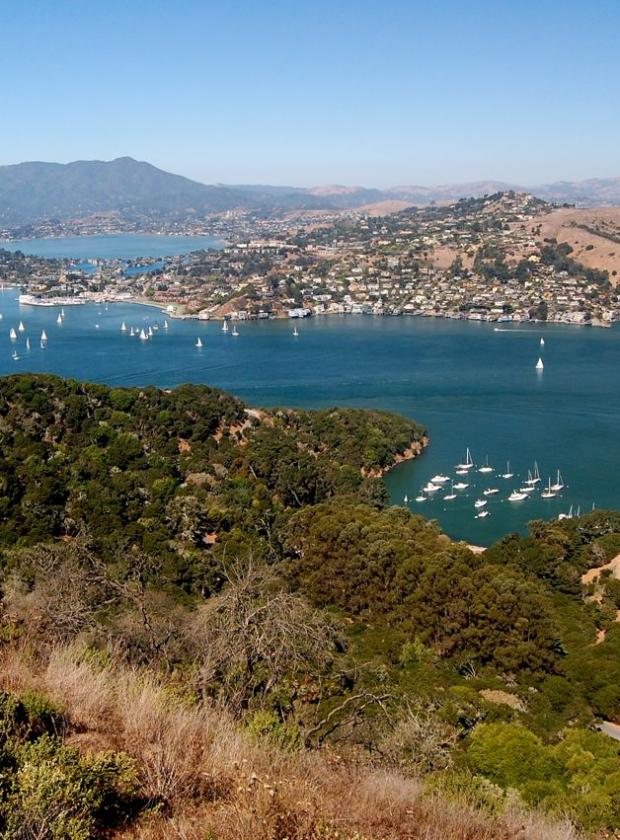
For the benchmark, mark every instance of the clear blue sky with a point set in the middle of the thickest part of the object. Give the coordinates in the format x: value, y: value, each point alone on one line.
x: 265, y: 91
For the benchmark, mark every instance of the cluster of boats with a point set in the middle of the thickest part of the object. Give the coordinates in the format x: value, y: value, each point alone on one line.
x: 234, y: 332
x: 14, y: 335
x: 438, y: 484
x: 140, y: 332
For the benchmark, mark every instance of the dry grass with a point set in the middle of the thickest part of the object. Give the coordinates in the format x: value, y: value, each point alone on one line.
x: 213, y: 783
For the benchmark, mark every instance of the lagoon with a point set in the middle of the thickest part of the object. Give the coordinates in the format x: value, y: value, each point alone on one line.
x: 121, y: 246
x: 470, y: 385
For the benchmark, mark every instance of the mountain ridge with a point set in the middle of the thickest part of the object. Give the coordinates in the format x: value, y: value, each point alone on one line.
x: 35, y: 191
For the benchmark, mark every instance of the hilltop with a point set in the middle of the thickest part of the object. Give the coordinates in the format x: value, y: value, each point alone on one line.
x: 214, y: 624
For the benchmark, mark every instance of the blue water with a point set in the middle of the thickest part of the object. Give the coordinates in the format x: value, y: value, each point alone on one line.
x: 470, y: 385
x: 121, y: 246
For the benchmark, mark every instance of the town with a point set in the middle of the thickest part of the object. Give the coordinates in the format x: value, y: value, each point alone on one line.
x: 481, y: 259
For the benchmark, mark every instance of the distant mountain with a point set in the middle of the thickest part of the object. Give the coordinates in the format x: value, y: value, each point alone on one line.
x: 34, y: 192
x: 31, y: 192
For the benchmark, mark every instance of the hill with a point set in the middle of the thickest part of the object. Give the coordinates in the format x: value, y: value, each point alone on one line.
x: 213, y: 622
x: 135, y: 190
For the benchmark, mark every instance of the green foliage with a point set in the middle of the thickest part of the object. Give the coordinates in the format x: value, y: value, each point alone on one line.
x: 578, y: 776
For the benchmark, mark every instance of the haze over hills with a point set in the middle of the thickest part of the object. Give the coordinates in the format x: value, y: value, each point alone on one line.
x: 36, y: 191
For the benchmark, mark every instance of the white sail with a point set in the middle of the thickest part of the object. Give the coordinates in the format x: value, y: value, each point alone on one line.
x: 150, y: 332
x: 540, y: 364
x: 234, y: 331
x: 143, y: 336
x: 27, y: 344
x: 165, y: 325
x: 198, y: 342
x: 59, y: 319
x: 559, y: 483
x: 542, y: 342
x: 43, y: 335
x: 131, y: 332
x: 295, y: 333
x: 123, y: 327
x: 12, y: 334
x: 225, y: 326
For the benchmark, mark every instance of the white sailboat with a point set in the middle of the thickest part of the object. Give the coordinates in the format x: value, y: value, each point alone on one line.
x: 469, y: 462
x: 143, y: 335
x: 62, y: 311
x: 234, y: 331
x: 540, y: 364
x: 21, y: 327
x: 451, y: 495
x: 15, y: 355
x: 43, y: 335
x: 295, y: 333
x: 533, y: 478
x: 199, y: 342
x: 59, y: 319
x: 508, y: 473
x: 542, y: 341
x: 568, y: 515
x: 559, y: 483
x: 123, y: 327
x: 225, y: 326
x: 548, y: 493
x: 406, y: 499
x: 13, y: 334
x: 150, y: 332
x: 486, y: 468
x: 165, y: 325
x: 420, y: 497
x: 27, y: 344
x: 517, y: 496
x: 131, y: 332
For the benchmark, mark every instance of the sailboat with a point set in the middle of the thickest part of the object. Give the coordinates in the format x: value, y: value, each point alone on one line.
x: 15, y: 355
x: 13, y: 334
x: 406, y: 499
x: 131, y: 332
x: 486, y: 468
x: 559, y: 483
x: 165, y: 325
x: 295, y: 333
x: 548, y: 493
x: 59, y: 319
x: 542, y: 341
x: 123, y: 327
x: 143, y: 335
x: 539, y: 364
x: 43, y: 335
x: 199, y: 342
x: 451, y: 495
x: 469, y: 462
x: 27, y: 344
x: 225, y: 326
x: 517, y: 496
x: 568, y: 515
x: 507, y: 474
x: 150, y: 332
x: 420, y: 497
x: 533, y: 478
x: 234, y: 331
x: 21, y: 327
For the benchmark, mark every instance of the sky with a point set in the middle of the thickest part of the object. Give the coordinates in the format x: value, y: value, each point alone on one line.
x: 306, y: 93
